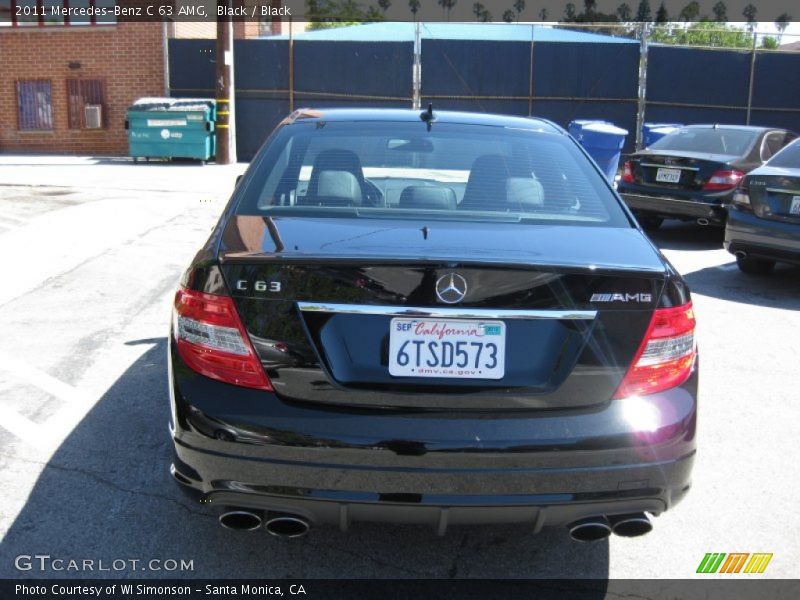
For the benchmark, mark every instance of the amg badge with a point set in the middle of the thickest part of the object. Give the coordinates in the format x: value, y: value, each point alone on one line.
x: 640, y: 297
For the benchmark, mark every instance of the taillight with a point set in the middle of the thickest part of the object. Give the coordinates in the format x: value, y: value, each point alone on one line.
x: 627, y: 172
x: 723, y: 180
x: 741, y: 198
x: 211, y: 340
x: 666, y: 357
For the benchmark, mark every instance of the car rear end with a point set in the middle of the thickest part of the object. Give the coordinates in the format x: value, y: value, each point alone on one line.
x: 764, y: 224
x: 429, y: 368
x: 690, y: 174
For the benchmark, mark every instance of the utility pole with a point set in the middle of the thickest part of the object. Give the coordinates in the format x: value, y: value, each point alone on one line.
x: 642, y: 93
x: 226, y: 116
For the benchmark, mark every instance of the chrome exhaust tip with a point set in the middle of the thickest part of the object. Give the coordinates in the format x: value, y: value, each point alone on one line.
x: 240, y: 520
x: 590, y: 530
x: 287, y: 526
x: 740, y: 254
x: 702, y: 221
x: 632, y: 525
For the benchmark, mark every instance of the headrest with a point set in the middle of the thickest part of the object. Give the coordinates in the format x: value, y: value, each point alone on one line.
x: 339, y: 185
x: 426, y: 196
x: 524, y: 191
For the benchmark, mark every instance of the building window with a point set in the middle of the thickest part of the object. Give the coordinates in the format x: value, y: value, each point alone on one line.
x: 84, y: 96
x: 41, y: 13
x: 35, y: 104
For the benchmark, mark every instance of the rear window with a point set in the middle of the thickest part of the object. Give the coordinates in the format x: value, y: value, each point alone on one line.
x: 788, y: 158
x: 709, y: 140
x: 402, y: 170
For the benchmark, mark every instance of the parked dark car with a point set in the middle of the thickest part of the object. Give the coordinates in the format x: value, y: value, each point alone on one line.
x: 764, y: 221
x: 691, y: 173
x: 473, y: 330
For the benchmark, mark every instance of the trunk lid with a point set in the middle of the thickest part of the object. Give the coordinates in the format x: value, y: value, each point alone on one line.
x: 686, y: 171
x: 321, y: 300
x: 775, y: 194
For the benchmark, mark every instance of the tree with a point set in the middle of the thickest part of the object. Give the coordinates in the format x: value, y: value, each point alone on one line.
x: 624, y: 13
x: 782, y: 22
x: 543, y: 14
x: 519, y: 6
x: 447, y: 6
x: 720, y: 12
x: 477, y: 9
x: 769, y: 43
x: 690, y: 12
x: 589, y: 7
x: 643, y: 12
x: 384, y: 4
x: 749, y: 13
x: 324, y: 14
x: 413, y: 6
x: 569, y: 12
x: 704, y: 33
x: 661, y: 14
x: 508, y: 15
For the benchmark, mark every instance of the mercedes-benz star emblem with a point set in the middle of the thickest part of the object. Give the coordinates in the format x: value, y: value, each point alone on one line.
x: 451, y: 288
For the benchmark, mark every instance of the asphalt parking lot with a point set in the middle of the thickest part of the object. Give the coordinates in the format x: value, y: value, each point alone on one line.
x: 92, y: 251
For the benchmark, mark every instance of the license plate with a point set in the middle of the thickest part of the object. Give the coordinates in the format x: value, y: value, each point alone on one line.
x: 447, y: 348
x: 668, y: 175
x: 794, y: 208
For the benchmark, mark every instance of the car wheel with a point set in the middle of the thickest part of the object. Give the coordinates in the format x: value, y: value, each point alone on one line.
x: 650, y: 223
x: 754, y: 266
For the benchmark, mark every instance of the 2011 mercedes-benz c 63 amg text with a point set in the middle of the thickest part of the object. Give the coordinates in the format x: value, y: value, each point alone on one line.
x: 432, y: 317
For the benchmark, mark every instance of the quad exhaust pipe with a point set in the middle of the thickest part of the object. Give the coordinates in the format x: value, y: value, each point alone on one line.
x: 285, y: 525
x: 702, y: 221
x: 282, y: 525
x: 590, y: 530
x: 240, y: 519
x: 632, y: 525
x: 593, y: 529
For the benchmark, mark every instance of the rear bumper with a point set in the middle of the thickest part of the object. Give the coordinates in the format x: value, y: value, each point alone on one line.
x: 715, y: 211
x: 338, y: 466
x: 762, y: 238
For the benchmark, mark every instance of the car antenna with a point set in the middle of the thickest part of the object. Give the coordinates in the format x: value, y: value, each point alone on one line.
x: 428, y: 116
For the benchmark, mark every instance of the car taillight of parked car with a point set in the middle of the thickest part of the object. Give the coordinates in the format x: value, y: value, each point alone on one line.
x: 741, y: 199
x: 211, y: 340
x: 627, y: 172
x: 666, y: 357
x: 723, y: 180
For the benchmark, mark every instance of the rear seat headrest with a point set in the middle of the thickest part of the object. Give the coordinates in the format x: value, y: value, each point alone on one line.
x: 430, y: 197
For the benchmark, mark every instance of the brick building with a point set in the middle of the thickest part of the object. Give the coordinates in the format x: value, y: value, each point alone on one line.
x: 51, y: 74
x: 65, y: 84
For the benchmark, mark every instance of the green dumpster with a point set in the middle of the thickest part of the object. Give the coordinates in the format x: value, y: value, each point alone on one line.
x: 172, y: 128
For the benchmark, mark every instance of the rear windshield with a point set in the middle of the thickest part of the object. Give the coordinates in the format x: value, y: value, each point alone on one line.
x: 788, y: 158
x: 402, y: 170
x: 707, y: 140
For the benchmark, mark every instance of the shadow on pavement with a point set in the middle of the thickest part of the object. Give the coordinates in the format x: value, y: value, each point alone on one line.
x: 681, y: 235
x: 779, y: 289
x: 106, y: 494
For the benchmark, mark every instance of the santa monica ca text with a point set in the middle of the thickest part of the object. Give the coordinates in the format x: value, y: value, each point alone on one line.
x: 141, y: 589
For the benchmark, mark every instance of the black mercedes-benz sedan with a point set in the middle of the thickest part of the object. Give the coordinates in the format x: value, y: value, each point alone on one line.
x: 431, y: 317
x: 691, y: 173
x: 764, y: 221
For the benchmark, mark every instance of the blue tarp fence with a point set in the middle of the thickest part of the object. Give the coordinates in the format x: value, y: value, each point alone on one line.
x: 560, y: 81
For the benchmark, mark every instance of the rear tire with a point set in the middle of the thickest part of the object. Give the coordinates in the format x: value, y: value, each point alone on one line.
x: 649, y: 222
x: 754, y: 266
